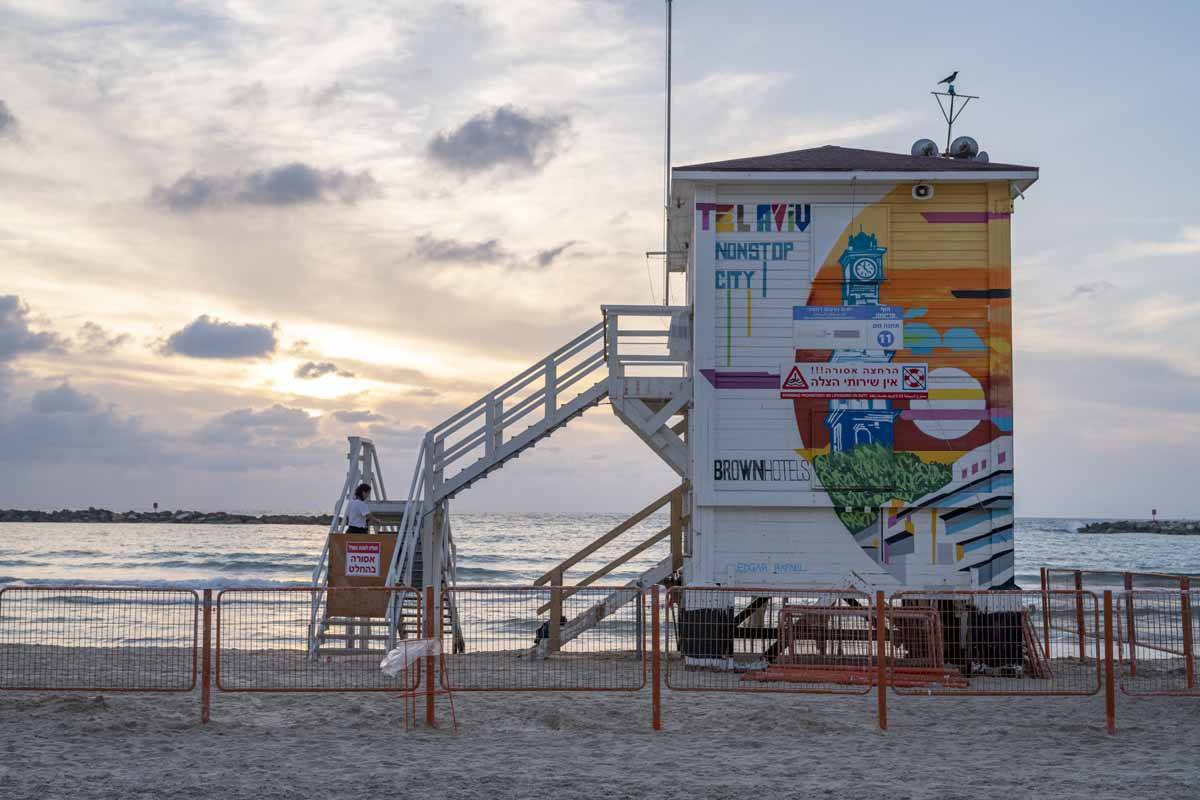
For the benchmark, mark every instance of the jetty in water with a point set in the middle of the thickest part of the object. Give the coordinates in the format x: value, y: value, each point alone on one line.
x: 1170, y: 527
x: 161, y: 517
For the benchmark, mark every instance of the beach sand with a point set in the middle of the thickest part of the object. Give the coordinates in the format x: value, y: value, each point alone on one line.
x: 593, y: 745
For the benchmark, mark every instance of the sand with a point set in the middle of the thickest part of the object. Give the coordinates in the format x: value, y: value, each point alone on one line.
x: 262, y: 746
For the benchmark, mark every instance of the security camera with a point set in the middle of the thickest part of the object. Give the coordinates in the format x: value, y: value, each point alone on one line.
x: 922, y: 191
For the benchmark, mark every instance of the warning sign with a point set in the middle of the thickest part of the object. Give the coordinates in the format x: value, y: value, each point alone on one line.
x: 795, y: 380
x: 363, y: 559
x: 854, y: 380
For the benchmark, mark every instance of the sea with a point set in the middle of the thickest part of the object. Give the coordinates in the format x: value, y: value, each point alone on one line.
x: 497, y: 549
x: 493, y: 548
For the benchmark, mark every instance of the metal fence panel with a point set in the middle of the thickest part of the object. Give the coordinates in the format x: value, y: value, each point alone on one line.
x: 1008, y: 642
x: 729, y: 639
x: 266, y: 641
x: 98, y: 639
x: 509, y: 635
x: 1157, y: 633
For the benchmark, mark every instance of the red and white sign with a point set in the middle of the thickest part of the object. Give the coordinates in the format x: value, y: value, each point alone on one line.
x: 363, y: 559
x: 854, y: 380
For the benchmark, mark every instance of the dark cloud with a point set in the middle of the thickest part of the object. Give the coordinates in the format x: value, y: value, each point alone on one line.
x: 396, y: 436
x: 8, y: 122
x: 15, y: 335
x: 505, y: 136
x: 63, y: 399
x: 68, y: 428
x: 545, y: 258
x: 247, y: 426
x: 286, y: 185
x: 208, y: 337
x: 357, y: 417
x: 1092, y: 289
x: 328, y: 95
x: 430, y: 248
x: 250, y: 95
x: 488, y: 251
x: 93, y: 338
x: 311, y: 370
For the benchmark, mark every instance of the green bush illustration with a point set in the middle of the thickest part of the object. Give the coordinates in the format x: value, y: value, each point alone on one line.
x: 870, y: 475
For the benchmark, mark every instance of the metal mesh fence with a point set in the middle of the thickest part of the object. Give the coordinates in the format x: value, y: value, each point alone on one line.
x: 1157, y: 634
x: 98, y: 639
x: 769, y: 640
x: 1009, y: 642
x: 288, y: 640
x: 512, y: 641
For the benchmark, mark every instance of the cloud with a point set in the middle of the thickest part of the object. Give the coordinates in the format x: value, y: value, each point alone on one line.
x: 488, y: 251
x: 394, y: 436
x: 545, y: 258
x: 1091, y: 289
x: 8, y: 122
x: 285, y: 185
x: 208, y: 337
x: 67, y: 428
x: 251, y: 95
x: 63, y: 399
x: 504, y: 136
x: 15, y: 335
x: 245, y: 425
x: 1187, y: 243
x: 357, y: 417
x: 430, y: 248
x: 93, y: 338
x: 310, y: 370
x: 328, y: 95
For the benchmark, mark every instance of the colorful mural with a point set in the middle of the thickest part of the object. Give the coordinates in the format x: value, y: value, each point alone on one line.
x: 899, y: 289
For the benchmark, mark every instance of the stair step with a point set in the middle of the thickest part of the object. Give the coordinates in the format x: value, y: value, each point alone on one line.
x: 345, y: 651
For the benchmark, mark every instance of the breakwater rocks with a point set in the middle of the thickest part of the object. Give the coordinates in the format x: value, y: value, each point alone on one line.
x: 1170, y: 527
x: 173, y: 517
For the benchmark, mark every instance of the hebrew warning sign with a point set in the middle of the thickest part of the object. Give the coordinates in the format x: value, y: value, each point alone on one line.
x: 363, y: 558
x: 852, y: 380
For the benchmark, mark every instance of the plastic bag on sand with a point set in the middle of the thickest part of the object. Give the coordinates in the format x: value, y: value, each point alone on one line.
x: 405, y: 653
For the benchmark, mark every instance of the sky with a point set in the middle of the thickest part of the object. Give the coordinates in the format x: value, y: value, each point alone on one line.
x: 233, y: 233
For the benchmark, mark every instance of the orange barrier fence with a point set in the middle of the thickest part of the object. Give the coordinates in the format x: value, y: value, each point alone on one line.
x: 1010, y: 642
x: 770, y: 640
x: 268, y: 640
x: 1157, y: 641
x: 543, y: 638
x: 723, y: 639
x: 73, y: 638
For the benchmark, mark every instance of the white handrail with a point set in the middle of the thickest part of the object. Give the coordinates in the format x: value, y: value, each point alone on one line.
x: 483, y: 424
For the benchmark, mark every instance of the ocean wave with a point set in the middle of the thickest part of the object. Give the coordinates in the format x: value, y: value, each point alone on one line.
x: 234, y: 565
x: 199, y: 584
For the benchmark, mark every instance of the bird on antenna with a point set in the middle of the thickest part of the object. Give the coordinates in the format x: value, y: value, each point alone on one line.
x: 950, y: 78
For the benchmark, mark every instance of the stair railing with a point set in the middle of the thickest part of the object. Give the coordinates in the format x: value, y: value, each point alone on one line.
x: 321, y: 571
x: 555, y: 577
x: 400, y: 568
x: 660, y: 352
x: 539, y: 390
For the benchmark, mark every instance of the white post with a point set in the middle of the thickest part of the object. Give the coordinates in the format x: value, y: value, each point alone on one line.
x: 551, y: 389
x: 614, y: 356
x: 490, y: 423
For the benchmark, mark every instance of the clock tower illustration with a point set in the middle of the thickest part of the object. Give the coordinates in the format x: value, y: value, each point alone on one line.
x: 855, y: 422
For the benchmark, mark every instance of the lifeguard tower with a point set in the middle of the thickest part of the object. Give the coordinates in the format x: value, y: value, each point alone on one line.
x: 835, y: 395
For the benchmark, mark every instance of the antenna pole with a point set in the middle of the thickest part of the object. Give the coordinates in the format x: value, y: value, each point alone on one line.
x: 952, y: 114
x: 950, y: 125
x: 667, y: 177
